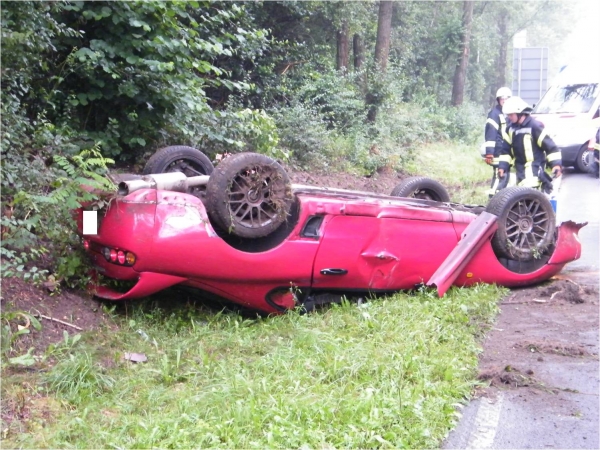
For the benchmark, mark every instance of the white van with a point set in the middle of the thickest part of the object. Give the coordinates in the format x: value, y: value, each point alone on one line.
x: 568, y: 111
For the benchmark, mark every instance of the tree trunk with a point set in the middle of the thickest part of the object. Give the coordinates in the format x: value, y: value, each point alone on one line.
x: 384, y: 31
x: 460, y: 74
x: 382, y: 51
x: 342, y: 48
x: 359, y: 51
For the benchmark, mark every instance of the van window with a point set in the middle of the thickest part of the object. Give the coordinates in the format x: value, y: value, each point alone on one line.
x: 573, y: 99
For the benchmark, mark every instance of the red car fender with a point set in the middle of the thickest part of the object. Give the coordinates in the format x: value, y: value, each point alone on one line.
x: 485, y: 267
x: 568, y: 246
x: 473, y: 237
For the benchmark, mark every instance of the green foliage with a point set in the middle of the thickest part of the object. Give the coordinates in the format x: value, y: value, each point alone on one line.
x: 135, y: 72
x: 14, y: 325
x: 324, y: 121
x: 38, y: 207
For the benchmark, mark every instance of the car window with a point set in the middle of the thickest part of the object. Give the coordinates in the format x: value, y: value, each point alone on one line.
x: 573, y: 99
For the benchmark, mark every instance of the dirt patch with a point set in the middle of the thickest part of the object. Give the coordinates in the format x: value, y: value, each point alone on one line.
x: 382, y: 182
x: 67, y: 310
x: 540, y: 335
x: 510, y: 377
x: 557, y: 348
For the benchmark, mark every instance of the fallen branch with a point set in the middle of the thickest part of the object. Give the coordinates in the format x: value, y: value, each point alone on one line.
x: 59, y: 321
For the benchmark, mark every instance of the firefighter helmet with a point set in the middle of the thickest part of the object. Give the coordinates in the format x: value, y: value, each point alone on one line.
x: 516, y: 105
x: 503, y: 92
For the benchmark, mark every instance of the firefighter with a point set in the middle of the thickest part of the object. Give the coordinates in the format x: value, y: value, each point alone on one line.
x: 495, y: 125
x: 529, y: 146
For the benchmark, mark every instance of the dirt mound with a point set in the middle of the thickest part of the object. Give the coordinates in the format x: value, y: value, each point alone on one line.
x: 510, y: 377
x: 382, y: 182
x: 67, y: 310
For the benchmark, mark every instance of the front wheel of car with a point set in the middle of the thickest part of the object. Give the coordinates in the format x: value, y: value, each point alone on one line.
x: 249, y: 195
x: 179, y: 158
x: 526, y: 223
x: 422, y: 188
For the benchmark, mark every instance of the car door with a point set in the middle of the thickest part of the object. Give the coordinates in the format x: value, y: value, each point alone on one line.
x: 371, y: 253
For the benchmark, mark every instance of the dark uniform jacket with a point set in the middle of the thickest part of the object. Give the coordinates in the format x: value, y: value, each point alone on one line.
x: 495, y: 124
x: 530, y: 147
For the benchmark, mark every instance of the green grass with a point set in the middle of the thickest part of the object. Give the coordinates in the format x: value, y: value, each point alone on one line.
x: 458, y: 167
x: 387, y: 373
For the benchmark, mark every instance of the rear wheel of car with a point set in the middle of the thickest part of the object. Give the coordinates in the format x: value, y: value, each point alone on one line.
x: 526, y: 223
x: 584, y: 158
x: 423, y: 188
x: 249, y: 195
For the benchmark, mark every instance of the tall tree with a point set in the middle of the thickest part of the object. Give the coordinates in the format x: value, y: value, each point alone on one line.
x: 342, y: 47
x: 458, y: 87
x: 382, y: 51
x: 384, y: 33
x: 358, y: 49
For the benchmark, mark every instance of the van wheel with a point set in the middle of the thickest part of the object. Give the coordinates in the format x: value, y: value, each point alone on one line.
x: 584, y: 157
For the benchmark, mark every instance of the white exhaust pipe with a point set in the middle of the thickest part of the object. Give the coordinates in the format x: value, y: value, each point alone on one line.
x: 172, y: 181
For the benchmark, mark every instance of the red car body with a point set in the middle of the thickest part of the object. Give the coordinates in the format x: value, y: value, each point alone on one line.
x: 340, y: 242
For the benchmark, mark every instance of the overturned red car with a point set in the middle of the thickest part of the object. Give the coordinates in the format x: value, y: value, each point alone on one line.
x: 242, y: 231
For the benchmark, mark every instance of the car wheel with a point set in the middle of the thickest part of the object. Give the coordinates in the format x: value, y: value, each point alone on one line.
x: 249, y: 194
x: 582, y: 162
x: 179, y: 158
x: 526, y: 223
x: 423, y: 188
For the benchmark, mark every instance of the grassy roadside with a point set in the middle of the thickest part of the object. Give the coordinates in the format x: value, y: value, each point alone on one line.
x: 458, y: 167
x: 386, y: 373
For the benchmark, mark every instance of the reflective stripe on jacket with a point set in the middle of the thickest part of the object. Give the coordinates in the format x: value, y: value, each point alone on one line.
x: 530, y: 147
x: 495, y: 125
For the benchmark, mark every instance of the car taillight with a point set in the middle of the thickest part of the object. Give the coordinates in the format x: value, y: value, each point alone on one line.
x: 121, y: 257
x: 130, y: 258
x: 86, y: 244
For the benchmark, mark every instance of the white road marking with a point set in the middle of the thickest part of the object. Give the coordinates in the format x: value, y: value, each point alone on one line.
x: 486, y: 423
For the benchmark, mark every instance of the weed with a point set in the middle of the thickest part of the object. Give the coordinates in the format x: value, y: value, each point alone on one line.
x: 77, y: 377
x: 14, y: 325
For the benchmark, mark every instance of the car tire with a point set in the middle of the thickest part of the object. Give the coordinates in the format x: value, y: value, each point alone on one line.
x: 423, y: 188
x: 526, y: 223
x: 179, y: 158
x: 249, y: 195
x: 582, y: 162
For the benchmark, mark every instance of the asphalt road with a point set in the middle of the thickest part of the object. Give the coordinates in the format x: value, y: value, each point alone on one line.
x: 512, y: 420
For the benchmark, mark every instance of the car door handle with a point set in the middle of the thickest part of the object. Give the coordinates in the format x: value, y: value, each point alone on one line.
x: 334, y: 271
